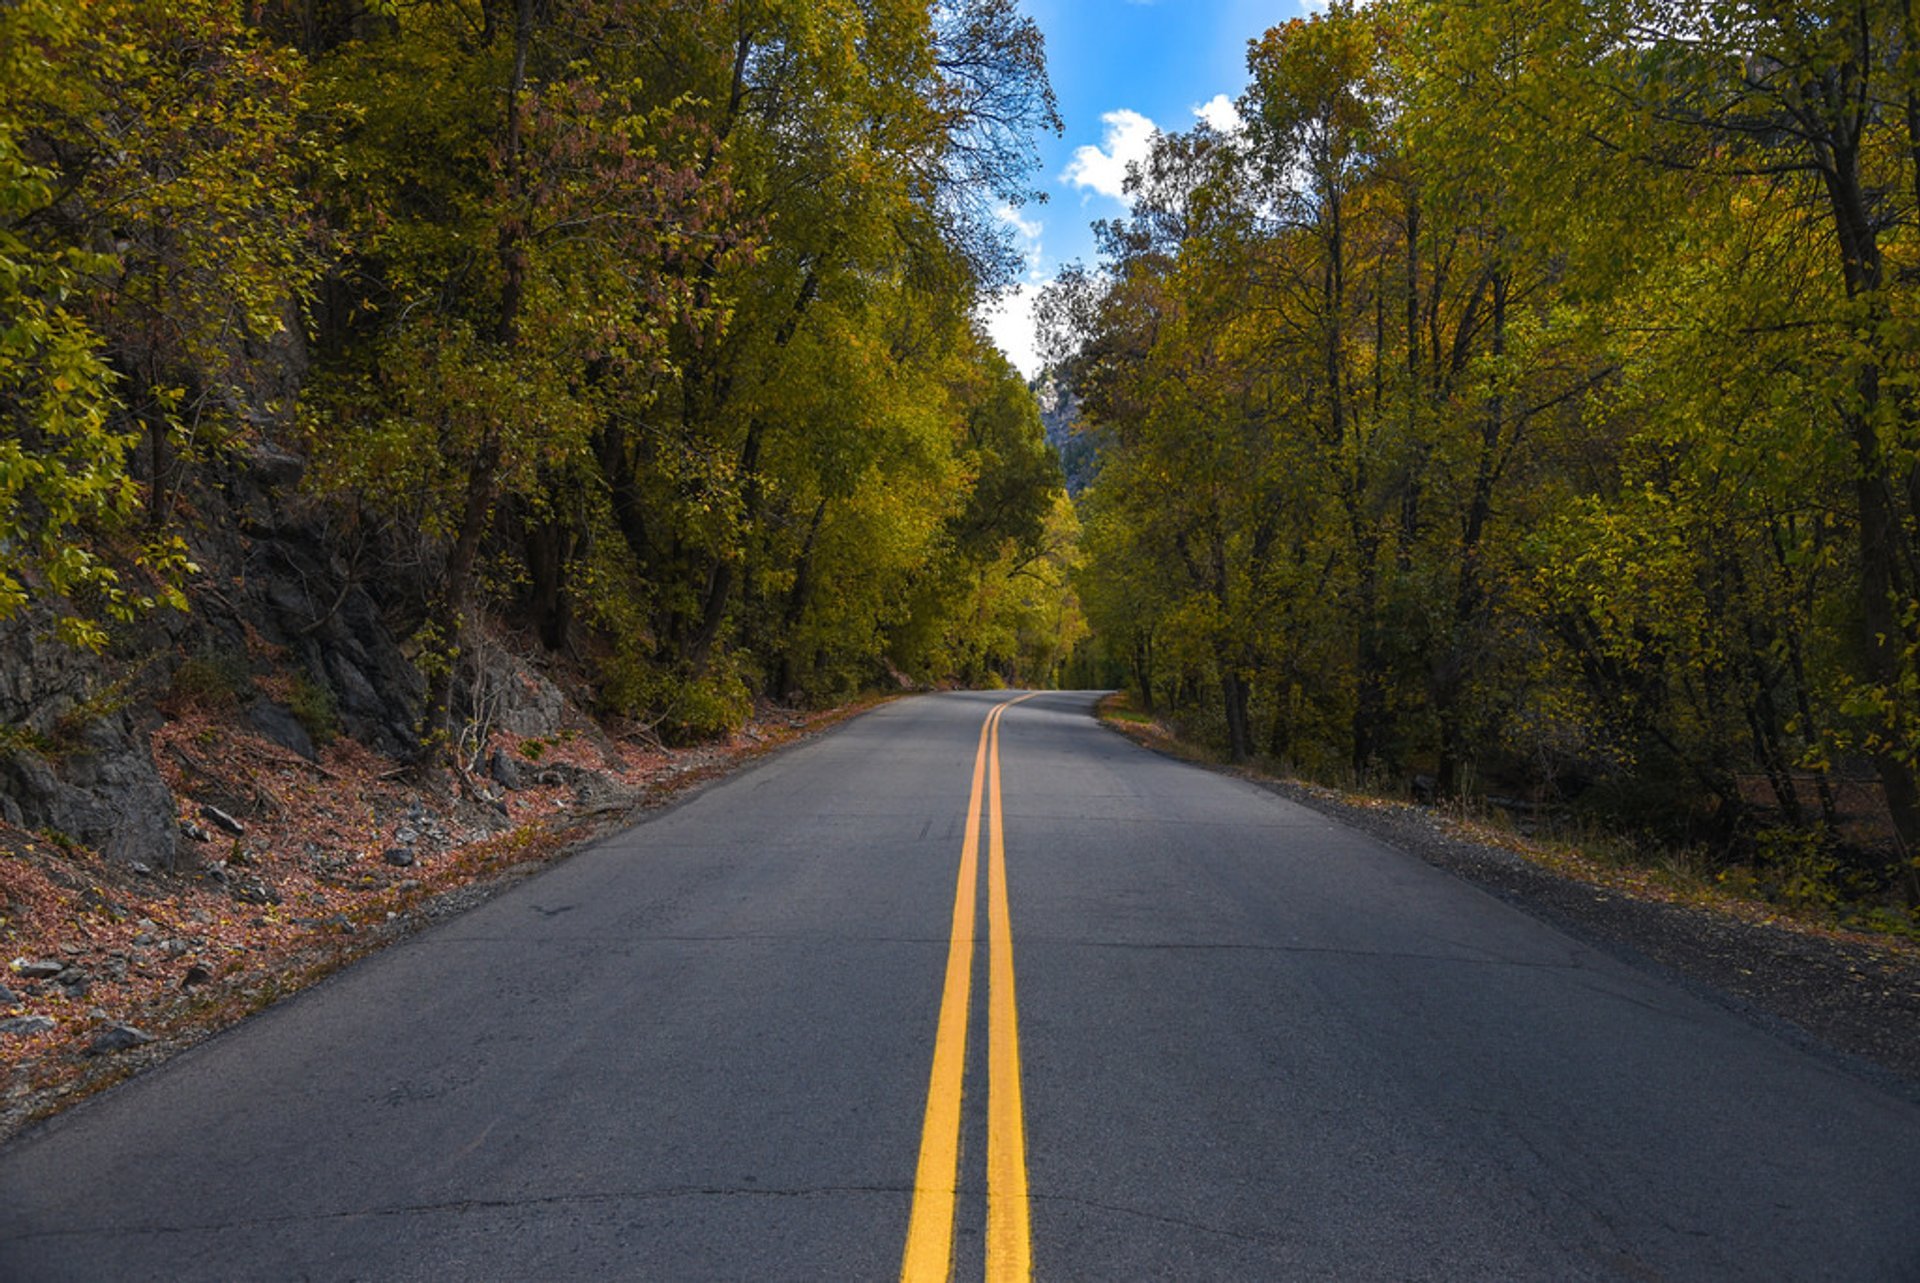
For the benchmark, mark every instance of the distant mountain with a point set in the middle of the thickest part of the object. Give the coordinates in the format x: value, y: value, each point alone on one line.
x: 1078, y: 445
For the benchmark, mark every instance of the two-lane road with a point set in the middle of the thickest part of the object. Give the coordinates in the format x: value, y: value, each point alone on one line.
x: 1237, y: 1041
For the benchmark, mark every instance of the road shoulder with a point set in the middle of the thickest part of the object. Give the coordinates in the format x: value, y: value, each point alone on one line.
x: 1852, y: 999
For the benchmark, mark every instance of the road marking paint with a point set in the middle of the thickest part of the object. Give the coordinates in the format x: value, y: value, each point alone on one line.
x: 1009, y: 1232
x: 929, y: 1255
x: 929, y: 1251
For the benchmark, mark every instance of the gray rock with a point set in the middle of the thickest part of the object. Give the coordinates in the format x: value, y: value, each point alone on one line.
x: 274, y: 468
x: 106, y: 794
x: 26, y: 1026
x: 8, y: 997
x: 255, y: 891
x: 506, y: 771
x: 524, y: 703
x: 221, y: 820
x: 291, y: 601
x: 398, y: 856
x: 117, y: 1037
x: 355, y: 693
x: 38, y: 968
x: 406, y: 836
x: 196, y: 975
x: 189, y: 829
x: 277, y: 723
x: 41, y: 679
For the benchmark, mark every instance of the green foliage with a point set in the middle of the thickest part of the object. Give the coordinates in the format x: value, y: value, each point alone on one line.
x: 1525, y: 397
x: 652, y: 325
x: 313, y: 706
x: 212, y: 680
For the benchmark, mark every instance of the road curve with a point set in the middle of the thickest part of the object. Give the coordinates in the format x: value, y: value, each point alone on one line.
x: 1251, y: 1044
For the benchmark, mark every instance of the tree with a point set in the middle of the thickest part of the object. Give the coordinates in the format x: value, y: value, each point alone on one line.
x: 152, y: 230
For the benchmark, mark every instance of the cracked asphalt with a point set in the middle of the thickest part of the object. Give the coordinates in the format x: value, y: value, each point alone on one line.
x: 1256, y: 1044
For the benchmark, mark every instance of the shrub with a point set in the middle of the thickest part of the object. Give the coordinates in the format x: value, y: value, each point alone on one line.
x: 313, y: 707
x: 211, y: 680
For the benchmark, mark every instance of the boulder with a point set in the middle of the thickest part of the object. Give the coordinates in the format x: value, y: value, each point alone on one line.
x: 117, y: 1037
x: 524, y: 703
x: 26, y: 1026
x: 277, y: 723
x: 507, y: 770
x: 220, y: 819
x: 105, y: 794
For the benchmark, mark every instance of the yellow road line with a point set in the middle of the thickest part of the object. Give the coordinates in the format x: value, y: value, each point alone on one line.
x: 929, y: 1255
x: 1009, y: 1233
x: 929, y: 1252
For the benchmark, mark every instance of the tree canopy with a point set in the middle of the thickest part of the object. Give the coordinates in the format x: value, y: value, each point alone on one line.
x: 648, y: 326
x: 1524, y: 396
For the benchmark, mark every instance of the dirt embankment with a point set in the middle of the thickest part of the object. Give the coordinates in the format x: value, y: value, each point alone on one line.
x: 290, y: 867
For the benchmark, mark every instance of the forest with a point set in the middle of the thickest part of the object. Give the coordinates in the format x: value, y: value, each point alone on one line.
x: 1522, y: 400
x: 642, y: 329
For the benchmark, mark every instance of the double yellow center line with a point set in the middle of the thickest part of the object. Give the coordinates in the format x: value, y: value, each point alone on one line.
x: 929, y: 1254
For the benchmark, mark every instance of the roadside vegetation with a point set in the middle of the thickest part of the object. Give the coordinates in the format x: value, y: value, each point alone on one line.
x: 644, y: 325
x: 1583, y: 851
x: 428, y: 425
x: 1518, y: 405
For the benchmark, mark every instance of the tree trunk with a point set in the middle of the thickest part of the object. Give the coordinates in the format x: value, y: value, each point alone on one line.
x: 550, y: 545
x: 1233, y: 692
x: 1885, y: 548
x: 797, y: 598
x: 1468, y: 595
x: 436, y: 718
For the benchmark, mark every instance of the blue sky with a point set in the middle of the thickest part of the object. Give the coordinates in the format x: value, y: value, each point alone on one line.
x: 1121, y: 68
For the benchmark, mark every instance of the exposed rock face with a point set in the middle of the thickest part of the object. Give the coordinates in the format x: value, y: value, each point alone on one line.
x: 522, y: 702
x: 77, y: 758
x: 277, y: 723
x: 41, y: 680
x: 105, y: 793
x: 287, y: 592
x: 75, y: 763
x: 298, y: 587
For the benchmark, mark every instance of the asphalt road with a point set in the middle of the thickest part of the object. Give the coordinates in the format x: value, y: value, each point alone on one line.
x: 1251, y: 1045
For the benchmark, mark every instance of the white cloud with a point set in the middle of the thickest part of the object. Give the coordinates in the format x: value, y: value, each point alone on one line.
x: 1009, y: 323
x: 1026, y: 237
x: 1103, y: 169
x: 1220, y: 113
x: 1008, y: 320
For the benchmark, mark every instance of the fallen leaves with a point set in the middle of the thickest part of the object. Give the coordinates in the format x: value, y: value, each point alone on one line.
x: 282, y: 876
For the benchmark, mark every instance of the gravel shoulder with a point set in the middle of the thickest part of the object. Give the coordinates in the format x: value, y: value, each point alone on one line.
x: 1851, y: 999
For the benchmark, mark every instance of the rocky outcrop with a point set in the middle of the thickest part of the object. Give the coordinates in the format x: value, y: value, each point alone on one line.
x: 73, y: 758
x: 296, y: 632
x: 102, y: 791
x: 75, y: 755
x: 298, y: 585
